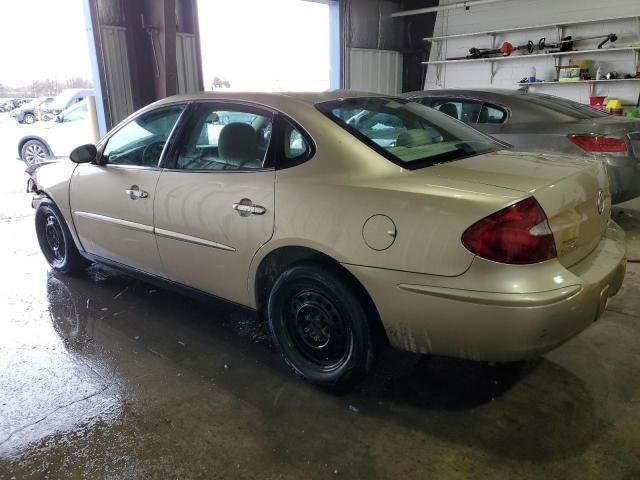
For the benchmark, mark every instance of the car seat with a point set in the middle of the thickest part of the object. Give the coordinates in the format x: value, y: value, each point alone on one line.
x: 414, y: 138
x: 450, y: 109
x: 238, y: 146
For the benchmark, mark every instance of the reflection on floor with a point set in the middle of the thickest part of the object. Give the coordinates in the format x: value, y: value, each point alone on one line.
x: 104, y: 376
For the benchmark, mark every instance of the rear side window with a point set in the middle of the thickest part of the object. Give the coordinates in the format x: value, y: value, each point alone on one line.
x: 491, y: 114
x: 295, y: 145
x: 223, y: 138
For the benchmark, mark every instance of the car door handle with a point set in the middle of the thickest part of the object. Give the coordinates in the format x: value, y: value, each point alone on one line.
x: 136, y: 192
x: 245, y: 209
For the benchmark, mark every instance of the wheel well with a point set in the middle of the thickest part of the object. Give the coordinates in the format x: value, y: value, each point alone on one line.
x: 276, y: 262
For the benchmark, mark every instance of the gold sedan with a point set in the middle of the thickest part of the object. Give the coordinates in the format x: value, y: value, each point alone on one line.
x: 348, y: 219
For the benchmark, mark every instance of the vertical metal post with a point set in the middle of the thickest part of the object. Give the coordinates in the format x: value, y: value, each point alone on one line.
x: 334, y: 44
x: 93, y: 32
x: 93, y: 118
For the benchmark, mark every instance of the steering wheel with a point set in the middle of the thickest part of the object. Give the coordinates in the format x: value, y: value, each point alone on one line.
x: 151, y: 154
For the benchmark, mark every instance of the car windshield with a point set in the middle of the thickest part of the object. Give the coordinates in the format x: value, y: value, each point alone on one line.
x: 32, y: 103
x: 407, y: 133
x: 62, y: 100
x: 570, y: 108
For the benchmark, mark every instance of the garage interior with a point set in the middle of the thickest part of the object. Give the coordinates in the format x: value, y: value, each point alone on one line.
x: 105, y: 375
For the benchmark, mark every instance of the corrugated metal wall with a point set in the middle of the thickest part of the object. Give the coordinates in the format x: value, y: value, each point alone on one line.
x: 378, y: 71
x: 118, y: 77
x: 187, y: 63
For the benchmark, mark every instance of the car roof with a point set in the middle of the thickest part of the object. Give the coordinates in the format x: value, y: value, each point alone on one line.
x: 476, y: 92
x: 272, y: 98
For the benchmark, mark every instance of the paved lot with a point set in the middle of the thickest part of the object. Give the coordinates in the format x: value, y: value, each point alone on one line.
x: 103, y: 376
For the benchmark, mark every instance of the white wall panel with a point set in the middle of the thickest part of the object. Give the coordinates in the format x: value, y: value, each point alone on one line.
x: 522, y: 13
x: 378, y: 71
x: 116, y: 65
x: 186, y: 60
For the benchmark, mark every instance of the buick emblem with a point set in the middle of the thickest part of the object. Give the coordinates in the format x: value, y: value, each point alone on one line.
x: 600, y: 202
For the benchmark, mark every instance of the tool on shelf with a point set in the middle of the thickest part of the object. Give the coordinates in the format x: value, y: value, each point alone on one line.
x: 505, y: 50
x: 566, y: 44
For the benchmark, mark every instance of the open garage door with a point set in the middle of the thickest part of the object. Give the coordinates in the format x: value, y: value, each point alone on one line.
x: 283, y: 45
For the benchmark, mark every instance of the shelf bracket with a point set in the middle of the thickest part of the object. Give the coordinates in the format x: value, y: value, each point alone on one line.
x: 493, y: 40
x: 493, y: 70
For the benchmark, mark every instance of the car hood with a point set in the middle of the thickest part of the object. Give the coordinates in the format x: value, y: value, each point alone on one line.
x: 47, y: 175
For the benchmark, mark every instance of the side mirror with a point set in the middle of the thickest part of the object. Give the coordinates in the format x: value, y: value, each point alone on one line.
x: 84, y: 153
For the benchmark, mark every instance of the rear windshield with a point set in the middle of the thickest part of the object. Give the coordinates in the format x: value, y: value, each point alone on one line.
x: 570, y: 108
x: 407, y: 133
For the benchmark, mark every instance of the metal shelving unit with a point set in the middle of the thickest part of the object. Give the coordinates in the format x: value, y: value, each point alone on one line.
x: 590, y: 83
x: 557, y: 55
x: 559, y: 26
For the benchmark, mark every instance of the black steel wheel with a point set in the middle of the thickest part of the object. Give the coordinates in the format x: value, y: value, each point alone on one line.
x: 56, y: 242
x: 320, y: 326
x: 317, y: 328
x: 54, y: 247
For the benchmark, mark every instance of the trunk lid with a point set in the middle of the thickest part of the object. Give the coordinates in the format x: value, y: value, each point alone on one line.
x: 573, y: 192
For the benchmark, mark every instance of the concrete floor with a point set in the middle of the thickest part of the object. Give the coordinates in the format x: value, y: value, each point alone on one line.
x: 103, y: 376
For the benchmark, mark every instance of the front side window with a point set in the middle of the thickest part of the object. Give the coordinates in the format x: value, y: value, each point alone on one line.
x: 141, y: 141
x: 225, y: 139
x: 491, y: 114
x: 412, y: 135
x: 460, y: 109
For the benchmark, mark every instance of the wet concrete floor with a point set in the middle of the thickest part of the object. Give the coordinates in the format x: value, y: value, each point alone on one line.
x: 104, y: 376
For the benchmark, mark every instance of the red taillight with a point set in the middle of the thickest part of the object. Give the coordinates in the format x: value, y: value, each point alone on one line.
x: 518, y: 234
x: 599, y: 143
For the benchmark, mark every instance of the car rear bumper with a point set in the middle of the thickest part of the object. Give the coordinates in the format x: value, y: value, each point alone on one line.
x: 492, y: 323
x: 624, y: 178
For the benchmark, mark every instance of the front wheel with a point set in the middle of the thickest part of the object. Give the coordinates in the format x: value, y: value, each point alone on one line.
x: 321, y: 327
x: 55, y: 239
x: 34, y: 152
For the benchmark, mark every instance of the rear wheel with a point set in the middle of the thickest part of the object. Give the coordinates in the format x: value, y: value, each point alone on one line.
x: 29, y: 118
x: 321, y: 327
x: 34, y: 152
x: 55, y: 239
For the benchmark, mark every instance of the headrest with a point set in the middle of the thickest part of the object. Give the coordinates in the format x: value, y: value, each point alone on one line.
x: 414, y: 138
x: 238, y: 144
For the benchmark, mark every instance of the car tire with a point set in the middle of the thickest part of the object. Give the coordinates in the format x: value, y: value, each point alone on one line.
x: 28, y: 118
x: 34, y: 152
x: 56, y: 243
x: 321, y: 327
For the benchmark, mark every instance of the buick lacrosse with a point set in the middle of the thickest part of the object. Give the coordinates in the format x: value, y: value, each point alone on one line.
x: 304, y: 208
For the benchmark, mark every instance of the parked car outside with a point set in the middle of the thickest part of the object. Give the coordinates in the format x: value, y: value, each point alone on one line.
x: 10, y: 103
x: 48, y: 141
x: 539, y: 122
x: 342, y: 243
x: 27, y: 113
x: 63, y: 101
